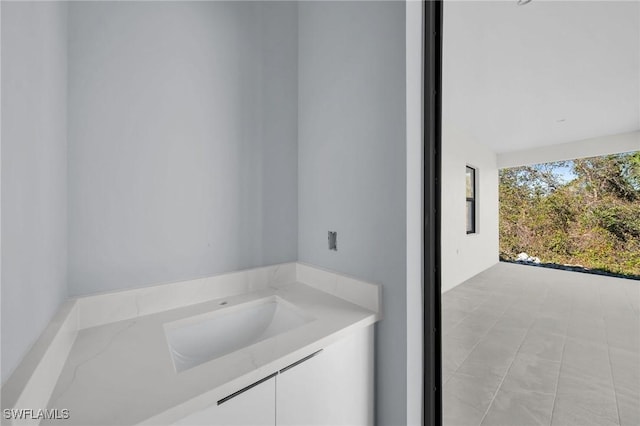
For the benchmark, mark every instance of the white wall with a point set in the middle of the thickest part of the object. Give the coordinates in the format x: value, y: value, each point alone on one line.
x: 182, y: 140
x: 352, y: 164
x: 594, y: 147
x: 34, y: 169
x: 464, y: 255
x: 541, y: 74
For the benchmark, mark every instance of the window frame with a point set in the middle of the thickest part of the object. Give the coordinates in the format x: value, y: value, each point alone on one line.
x: 473, y: 200
x: 432, y: 201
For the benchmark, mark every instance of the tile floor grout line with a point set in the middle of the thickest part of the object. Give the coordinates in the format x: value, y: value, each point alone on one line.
x: 613, y: 381
x: 509, y: 368
x: 569, y: 301
x: 469, y: 314
x: 493, y: 398
x: 481, y: 337
x: 474, y: 346
x: 564, y: 345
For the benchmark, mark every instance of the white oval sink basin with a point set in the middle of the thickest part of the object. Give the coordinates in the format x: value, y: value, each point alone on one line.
x: 195, y: 340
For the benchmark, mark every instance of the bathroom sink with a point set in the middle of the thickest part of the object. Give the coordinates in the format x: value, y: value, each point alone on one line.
x: 195, y: 340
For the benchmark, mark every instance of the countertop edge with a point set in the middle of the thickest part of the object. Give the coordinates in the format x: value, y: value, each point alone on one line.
x: 205, y: 399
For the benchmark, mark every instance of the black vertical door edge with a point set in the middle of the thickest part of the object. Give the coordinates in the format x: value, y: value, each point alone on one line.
x: 432, y: 97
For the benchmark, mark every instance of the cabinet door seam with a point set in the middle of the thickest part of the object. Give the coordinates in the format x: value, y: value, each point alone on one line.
x: 246, y: 388
x: 300, y: 361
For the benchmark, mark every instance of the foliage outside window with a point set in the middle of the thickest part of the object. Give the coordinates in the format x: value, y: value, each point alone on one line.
x: 471, y: 200
x: 583, y: 213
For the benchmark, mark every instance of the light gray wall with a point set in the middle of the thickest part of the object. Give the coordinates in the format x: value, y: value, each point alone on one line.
x: 280, y: 132
x: 34, y: 170
x: 352, y: 163
x: 415, y: 198
x: 182, y: 140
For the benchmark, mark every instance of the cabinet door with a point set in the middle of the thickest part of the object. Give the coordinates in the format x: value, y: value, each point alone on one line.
x: 335, y: 387
x: 253, y: 407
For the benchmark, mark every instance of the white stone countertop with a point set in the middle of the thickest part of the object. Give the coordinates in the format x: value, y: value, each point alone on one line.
x: 122, y: 373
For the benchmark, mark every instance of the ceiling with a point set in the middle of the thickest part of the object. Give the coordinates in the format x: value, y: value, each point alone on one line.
x: 549, y: 72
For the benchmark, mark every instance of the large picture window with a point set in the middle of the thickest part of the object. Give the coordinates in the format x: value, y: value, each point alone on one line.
x: 471, y: 200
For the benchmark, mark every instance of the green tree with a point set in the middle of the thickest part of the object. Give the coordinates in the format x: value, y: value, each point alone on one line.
x: 592, y: 221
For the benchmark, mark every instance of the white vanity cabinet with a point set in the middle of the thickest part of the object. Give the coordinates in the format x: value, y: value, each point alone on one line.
x: 333, y: 386
x: 252, y: 406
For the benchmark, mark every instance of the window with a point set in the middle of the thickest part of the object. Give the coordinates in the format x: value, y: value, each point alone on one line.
x: 471, y: 200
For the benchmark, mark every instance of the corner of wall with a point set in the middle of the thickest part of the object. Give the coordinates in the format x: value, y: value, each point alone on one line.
x: 34, y: 259
x: 465, y: 255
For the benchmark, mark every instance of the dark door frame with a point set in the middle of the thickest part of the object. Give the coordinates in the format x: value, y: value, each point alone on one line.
x: 432, y: 97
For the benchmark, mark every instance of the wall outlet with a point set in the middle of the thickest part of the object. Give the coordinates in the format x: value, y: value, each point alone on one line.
x: 333, y: 240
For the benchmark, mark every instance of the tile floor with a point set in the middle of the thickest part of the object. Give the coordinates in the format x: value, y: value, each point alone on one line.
x: 525, y: 345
